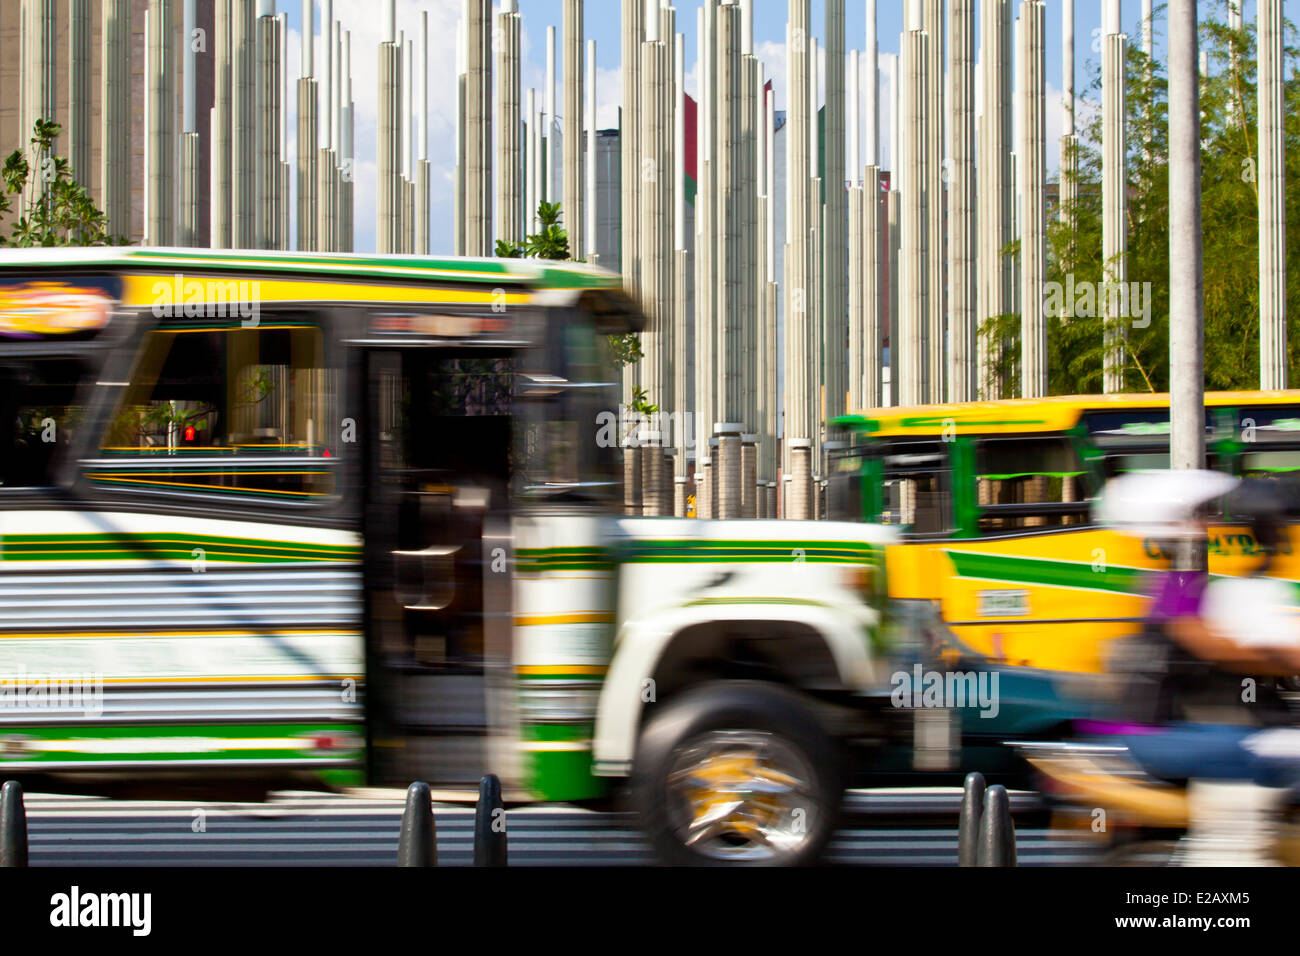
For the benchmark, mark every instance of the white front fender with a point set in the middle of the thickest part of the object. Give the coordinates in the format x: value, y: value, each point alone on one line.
x: 641, y: 645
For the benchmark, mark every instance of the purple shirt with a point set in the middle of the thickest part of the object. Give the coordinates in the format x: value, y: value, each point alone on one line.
x: 1178, y: 594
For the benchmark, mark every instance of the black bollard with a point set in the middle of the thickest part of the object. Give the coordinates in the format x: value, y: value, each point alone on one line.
x: 968, y: 822
x: 418, y: 843
x: 489, y: 824
x: 13, y: 825
x: 997, y: 836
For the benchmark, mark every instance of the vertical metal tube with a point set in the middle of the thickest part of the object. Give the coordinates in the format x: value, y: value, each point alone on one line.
x: 572, y: 198
x: 960, y: 349
x: 1272, y: 197
x: 1186, y: 275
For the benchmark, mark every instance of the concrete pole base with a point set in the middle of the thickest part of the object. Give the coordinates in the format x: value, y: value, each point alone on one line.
x: 652, y: 461
x: 631, y: 480
x: 799, y: 493
x: 749, y: 476
x: 704, y: 489
x: 730, y: 480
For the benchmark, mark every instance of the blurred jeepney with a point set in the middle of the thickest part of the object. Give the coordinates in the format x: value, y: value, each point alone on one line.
x: 353, y: 517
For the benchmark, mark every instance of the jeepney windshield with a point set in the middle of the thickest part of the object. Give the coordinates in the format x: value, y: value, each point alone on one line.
x: 566, y: 391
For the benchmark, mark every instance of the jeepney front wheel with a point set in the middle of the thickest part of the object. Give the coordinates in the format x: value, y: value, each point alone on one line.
x: 737, y: 773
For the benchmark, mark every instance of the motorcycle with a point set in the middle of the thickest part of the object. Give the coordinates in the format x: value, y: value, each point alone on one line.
x: 1140, y: 819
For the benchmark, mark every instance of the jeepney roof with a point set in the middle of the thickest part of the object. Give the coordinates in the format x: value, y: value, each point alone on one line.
x: 294, y: 277
x: 1020, y: 415
x: 540, y: 274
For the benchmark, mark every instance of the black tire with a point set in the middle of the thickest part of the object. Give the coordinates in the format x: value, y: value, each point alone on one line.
x: 739, y: 712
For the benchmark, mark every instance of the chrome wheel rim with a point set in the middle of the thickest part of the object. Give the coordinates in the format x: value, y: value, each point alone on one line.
x: 741, y: 796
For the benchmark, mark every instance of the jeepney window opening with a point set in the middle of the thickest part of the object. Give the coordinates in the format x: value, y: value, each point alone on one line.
x: 1266, y: 425
x: 845, y: 488
x: 40, y: 413
x: 1030, y: 482
x: 1277, y: 429
x: 214, y: 408
x: 916, y: 486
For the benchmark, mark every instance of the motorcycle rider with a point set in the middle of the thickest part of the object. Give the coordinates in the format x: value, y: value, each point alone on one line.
x: 1228, y: 731
x: 1216, y: 650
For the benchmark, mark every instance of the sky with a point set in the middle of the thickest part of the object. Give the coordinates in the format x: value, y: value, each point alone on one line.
x: 602, y: 23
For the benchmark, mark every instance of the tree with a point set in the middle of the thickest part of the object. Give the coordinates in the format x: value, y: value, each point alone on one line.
x: 53, y: 208
x: 1230, y: 212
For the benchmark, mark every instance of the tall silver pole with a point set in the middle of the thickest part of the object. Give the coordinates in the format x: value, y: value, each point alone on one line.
x: 1069, y: 188
x: 79, y: 101
x: 115, y: 114
x: 571, y: 139
x: 961, y: 355
x: 913, y: 367
x: 1186, y: 275
x: 510, y: 150
x: 936, y: 320
x: 160, y: 76
x: 589, y: 163
x: 307, y: 153
x: 476, y: 146
x: 1272, y: 199
x: 327, y: 74
x: 422, y: 169
x: 854, y: 119
x: 799, y: 388
x: 388, y: 142
x: 682, y: 346
x: 1114, y: 191
x: 633, y: 31
x: 549, y: 127
x: 1033, y: 198
x: 835, y: 270
x: 187, y: 220
x: 871, y: 67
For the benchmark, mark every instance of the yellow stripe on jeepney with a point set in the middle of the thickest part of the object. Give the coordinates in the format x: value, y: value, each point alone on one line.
x: 155, y: 290
x: 1027, y: 415
x: 536, y: 620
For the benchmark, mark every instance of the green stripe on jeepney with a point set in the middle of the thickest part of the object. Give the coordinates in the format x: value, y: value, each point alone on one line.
x: 561, y: 559
x: 478, y: 271
x: 1062, y: 574
x: 798, y: 602
x: 126, y: 545
x: 558, y: 762
x: 750, y: 551
x: 1050, y: 573
x: 84, y: 743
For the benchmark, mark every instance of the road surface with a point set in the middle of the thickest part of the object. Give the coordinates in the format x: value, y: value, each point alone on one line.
x: 882, y: 828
